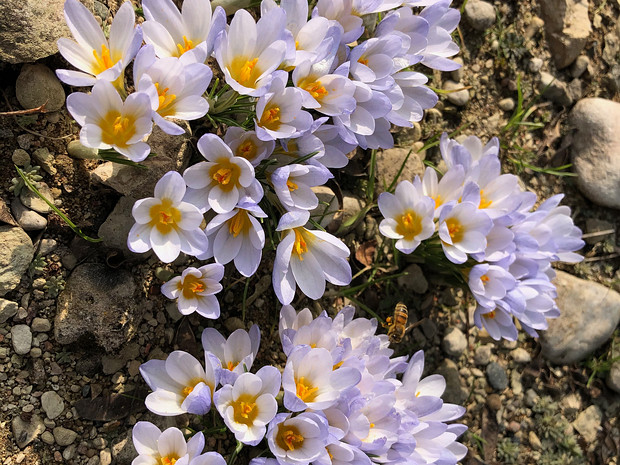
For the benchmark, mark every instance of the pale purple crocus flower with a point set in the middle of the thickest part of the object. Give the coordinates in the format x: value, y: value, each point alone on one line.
x: 208, y: 458
x: 409, y: 97
x: 467, y: 153
x: 341, y: 12
x: 249, y: 52
x: 235, y: 354
x: 293, y: 185
x: 408, y: 216
x: 336, y: 149
x: 307, y: 258
x: 298, y: 440
x: 278, y: 112
x: 442, y: 21
x: 374, y: 60
x: 221, y: 181
x: 189, y: 34
x: 445, y: 191
x: 155, y: 447
x: 249, y: 404
x: 167, y: 224
x: 246, y: 144
x: 490, y: 283
x: 498, y: 322
x: 413, y: 28
x: 175, y: 88
x: 180, y: 384
x: 462, y: 230
x: 108, y: 122
x: 96, y: 57
x: 195, y: 289
x: 237, y: 235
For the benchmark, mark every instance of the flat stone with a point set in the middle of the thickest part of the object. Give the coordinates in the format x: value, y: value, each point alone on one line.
x: 45, y: 160
x: 21, y: 337
x: 454, y: 343
x: 37, y: 85
x: 115, y: 228
x: 613, y: 377
x: 454, y: 393
x: 413, y: 280
x: 534, y: 441
x: 29, y: 220
x: 459, y: 97
x: 8, y: 309
x: 567, y: 29
x: 76, y: 150
x: 64, y: 436
x: 482, y: 354
x: 588, y: 423
x: 16, y: 252
x: 328, y: 208
x: 575, y: 334
x: 555, y: 89
x: 41, y: 325
x: 496, y: 374
x: 53, y: 405
x: 27, y: 431
x: 506, y: 104
x: 520, y: 355
x: 389, y: 163
x: 596, y: 149
x: 99, y: 303
x: 480, y: 15
x: 20, y: 157
x: 31, y: 200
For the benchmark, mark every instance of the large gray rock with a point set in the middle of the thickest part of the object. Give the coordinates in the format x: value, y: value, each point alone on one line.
x: 115, y: 228
x: 16, y: 252
x: 52, y: 404
x: 596, y: 149
x: 7, y: 309
x: 589, y: 314
x: 99, y: 302
x: 36, y: 85
x: 389, y: 162
x: 21, y: 337
x: 27, y: 431
x: 480, y: 15
x: 29, y: 220
x: 567, y: 28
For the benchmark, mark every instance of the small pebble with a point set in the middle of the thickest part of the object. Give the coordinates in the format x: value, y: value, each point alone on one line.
x: 20, y: 157
x: 507, y: 104
x: 497, y: 377
x: 520, y: 355
x: 456, y: 97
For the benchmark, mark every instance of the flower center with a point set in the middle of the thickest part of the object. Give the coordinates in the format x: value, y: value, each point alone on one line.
x: 245, y: 71
x: 363, y: 60
x: 409, y: 225
x: 245, y: 410
x: 490, y: 315
x: 455, y: 229
x: 438, y: 201
x: 187, y: 390
x: 116, y: 129
x: 484, y: 203
x: 247, y: 150
x: 165, y: 101
x: 191, y: 285
x: 270, y: 118
x: 164, y: 216
x: 240, y: 223
x: 185, y: 46
x: 300, y: 246
x: 484, y: 278
x: 306, y: 391
x: 168, y: 460
x: 314, y: 88
x: 289, y: 438
x: 230, y: 365
x: 291, y: 185
x: 103, y: 60
x: 225, y: 173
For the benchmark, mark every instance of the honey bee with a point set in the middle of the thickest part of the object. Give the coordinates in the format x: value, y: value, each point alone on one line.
x: 397, y: 324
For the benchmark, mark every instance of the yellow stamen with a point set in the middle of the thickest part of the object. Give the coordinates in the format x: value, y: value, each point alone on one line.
x: 305, y: 391
x: 484, y: 278
x: 409, y: 225
x: 292, y: 440
x: 438, y: 201
x: 291, y: 185
x: 417, y: 394
x: 455, y: 229
x: 240, y: 223
x: 372, y: 425
x: 187, y: 390
x: 245, y: 71
x: 167, y: 460
x: 314, y: 88
x: 490, y: 315
x: 103, y: 60
x: 164, y: 216
x: 270, y: 118
x: 363, y: 60
x: 222, y: 176
x: 300, y: 246
x: 192, y: 285
x: 165, y: 100
x: 247, y: 150
x: 337, y: 365
x: 484, y: 203
x: 231, y: 366
x: 185, y: 46
x: 296, y: 45
x: 225, y: 173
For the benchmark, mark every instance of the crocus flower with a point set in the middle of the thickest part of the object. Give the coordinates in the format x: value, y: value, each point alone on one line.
x: 195, y: 290
x: 298, y: 440
x: 490, y: 283
x: 222, y: 180
x: 248, y: 405
x: 175, y: 88
x: 310, y: 381
x: 462, y: 230
x: 235, y: 354
x: 96, y: 57
x: 165, y: 223
x: 498, y: 322
x: 208, y: 458
x: 445, y: 191
x: 190, y: 33
x: 180, y: 384
x: 408, y: 216
x: 249, y: 52
x: 246, y: 145
x: 293, y: 185
x: 108, y: 122
x: 307, y: 258
x: 341, y: 12
x: 442, y: 20
x: 157, y: 448
x: 237, y: 235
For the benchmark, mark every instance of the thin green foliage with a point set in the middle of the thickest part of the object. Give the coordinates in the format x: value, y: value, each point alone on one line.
x: 370, y: 189
x: 113, y: 156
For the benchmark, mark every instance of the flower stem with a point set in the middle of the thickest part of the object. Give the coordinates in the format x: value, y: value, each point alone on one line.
x: 233, y: 456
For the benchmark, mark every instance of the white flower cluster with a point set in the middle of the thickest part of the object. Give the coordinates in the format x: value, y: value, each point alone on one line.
x: 343, y: 400
x: 302, y: 89
x: 487, y: 227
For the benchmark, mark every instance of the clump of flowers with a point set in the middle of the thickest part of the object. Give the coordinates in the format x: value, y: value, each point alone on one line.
x: 343, y: 397
x: 489, y: 232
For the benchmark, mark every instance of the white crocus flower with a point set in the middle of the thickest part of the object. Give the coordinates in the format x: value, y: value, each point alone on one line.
x: 97, y: 57
x: 248, y: 405
x: 166, y: 224
x: 238, y: 236
x: 444, y: 191
x: 463, y: 230
x: 108, y: 122
x: 189, y: 33
x: 175, y: 88
x: 180, y: 384
x: 195, y: 290
x: 221, y: 181
x: 408, y: 216
x: 246, y: 145
x: 249, y: 52
x: 307, y: 258
x: 157, y: 448
x: 293, y: 185
x: 235, y: 354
